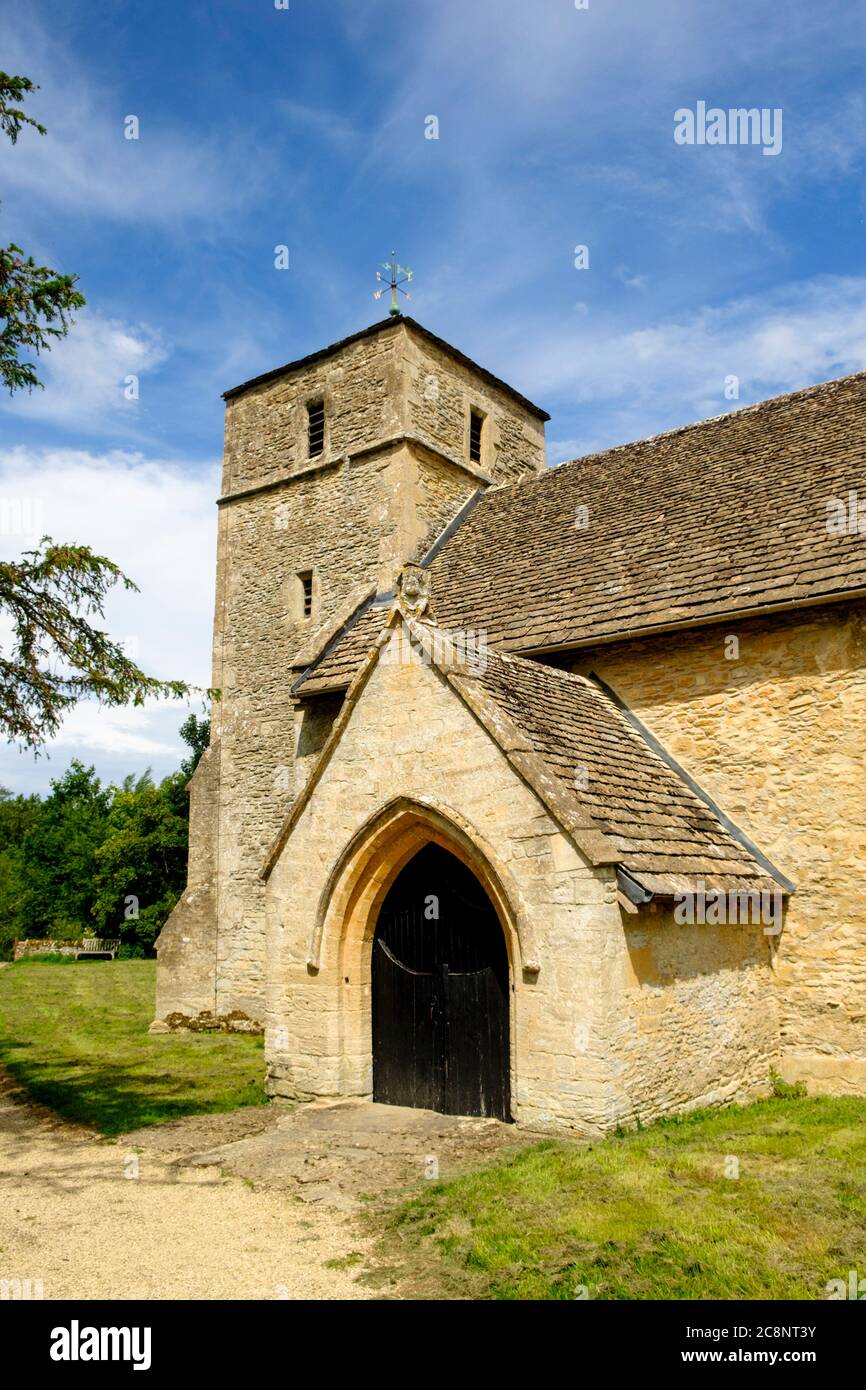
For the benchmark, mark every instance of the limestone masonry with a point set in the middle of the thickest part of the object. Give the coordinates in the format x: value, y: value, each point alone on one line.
x: 620, y: 692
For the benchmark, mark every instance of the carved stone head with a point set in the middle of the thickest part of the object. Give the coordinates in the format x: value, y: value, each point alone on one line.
x: 413, y: 590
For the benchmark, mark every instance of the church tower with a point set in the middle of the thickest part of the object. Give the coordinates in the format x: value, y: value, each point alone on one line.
x: 338, y: 469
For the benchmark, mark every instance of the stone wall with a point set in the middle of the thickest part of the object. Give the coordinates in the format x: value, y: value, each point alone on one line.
x: 440, y: 393
x: 776, y: 737
x: 266, y: 426
x: 186, y: 976
x: 64, y: 946
x: 393, y: 383
x: 699, y: 1019
x: 595, y: 1030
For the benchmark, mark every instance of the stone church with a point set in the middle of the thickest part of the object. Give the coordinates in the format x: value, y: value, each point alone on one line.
x: 532, y: 792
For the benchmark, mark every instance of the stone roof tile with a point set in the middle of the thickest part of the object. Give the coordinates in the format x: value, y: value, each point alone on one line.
x: 661, y: 830
x: 694, y: 526
x: 703, y: 522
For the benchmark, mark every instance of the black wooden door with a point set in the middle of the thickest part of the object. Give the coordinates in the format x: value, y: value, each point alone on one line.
x: 440, y: 993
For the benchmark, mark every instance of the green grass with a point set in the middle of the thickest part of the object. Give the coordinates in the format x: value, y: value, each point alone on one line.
x: 651, y: 1214
x: 77, y: 1040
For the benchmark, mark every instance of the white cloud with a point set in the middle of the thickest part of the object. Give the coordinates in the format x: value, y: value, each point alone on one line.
x: 321, y: 122
x: 667, y: 374
x: 803, y: 332
x: 157, y: 520
x: 630, y: 278
x: 99, y: 730
x: 85, y: 374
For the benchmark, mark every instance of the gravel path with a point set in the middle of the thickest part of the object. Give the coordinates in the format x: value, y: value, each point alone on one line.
x: 70, y: 1217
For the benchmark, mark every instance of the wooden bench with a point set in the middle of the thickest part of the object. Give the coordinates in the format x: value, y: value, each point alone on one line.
x: 93, y: 948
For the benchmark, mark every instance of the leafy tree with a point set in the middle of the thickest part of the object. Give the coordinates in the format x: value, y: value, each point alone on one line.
x: 59, y: 854
x: 18, y: 815
x: 57, y: 656
x: 140, y: 867
x: 36, y: 302
x: 195, y: 733
x: 88, y: 859
x: 13, y: 118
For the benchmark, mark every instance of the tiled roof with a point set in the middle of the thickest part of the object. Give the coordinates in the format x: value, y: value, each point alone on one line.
x: 340, y: 660
x: 698, y: 525
x: 386, y: 326
x: 607, y: 778
x: 623, y: 802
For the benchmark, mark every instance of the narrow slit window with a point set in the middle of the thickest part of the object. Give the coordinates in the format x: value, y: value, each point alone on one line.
x: 306, y: 583
x: 316, y: 428
x: 476, y: 428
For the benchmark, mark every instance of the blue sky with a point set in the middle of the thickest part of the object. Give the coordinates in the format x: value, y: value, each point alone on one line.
x: 305, y: 127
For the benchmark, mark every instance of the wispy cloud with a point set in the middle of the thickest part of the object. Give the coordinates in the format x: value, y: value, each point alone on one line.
x: 86, y: 165
x: 629, y: 278
x: 321, y: 123
x: 92, y: 729
x: 94, y: 378
x: 665, y: 374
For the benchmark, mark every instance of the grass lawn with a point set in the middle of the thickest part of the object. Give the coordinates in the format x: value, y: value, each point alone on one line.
x: 651, y: 1215
x: 75, y: 1035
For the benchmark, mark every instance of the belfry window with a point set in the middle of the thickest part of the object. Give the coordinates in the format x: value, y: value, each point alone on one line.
x: 315, y: 428
x: 476, y: 429
x: 305, y: 581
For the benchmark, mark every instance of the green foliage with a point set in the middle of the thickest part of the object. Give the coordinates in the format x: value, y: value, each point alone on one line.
x: 18, y: 815
x: 59, y: 855
x: 49, y: 958
x: 140, y: 865
x: 13, y: 118
x: 787, y: 1090
x: 195, y: 733
x: 97, y: 860
x: 36, y: 302
x: 57, y: 657
x: 36, y: 305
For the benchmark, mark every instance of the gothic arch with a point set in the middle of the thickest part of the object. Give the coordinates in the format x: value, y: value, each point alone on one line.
x: 348, y: 907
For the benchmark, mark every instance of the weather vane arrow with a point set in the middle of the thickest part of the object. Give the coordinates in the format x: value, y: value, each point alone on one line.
x: 395, y: 282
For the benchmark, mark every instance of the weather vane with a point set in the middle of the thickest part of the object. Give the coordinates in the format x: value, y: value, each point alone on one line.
x: 396, y: 284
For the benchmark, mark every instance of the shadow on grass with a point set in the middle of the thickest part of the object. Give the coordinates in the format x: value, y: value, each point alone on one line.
x: 114, y: 1098
x: 77, y: 1041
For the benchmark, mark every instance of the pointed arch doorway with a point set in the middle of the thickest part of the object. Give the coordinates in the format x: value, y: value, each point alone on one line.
x: 440, y: 992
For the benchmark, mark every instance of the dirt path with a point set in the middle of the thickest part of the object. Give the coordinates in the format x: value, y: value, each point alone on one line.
x: 70, y: 1217
x: 344, y: 1154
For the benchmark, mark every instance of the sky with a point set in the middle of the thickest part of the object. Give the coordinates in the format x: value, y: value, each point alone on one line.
x: 715, y: 274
